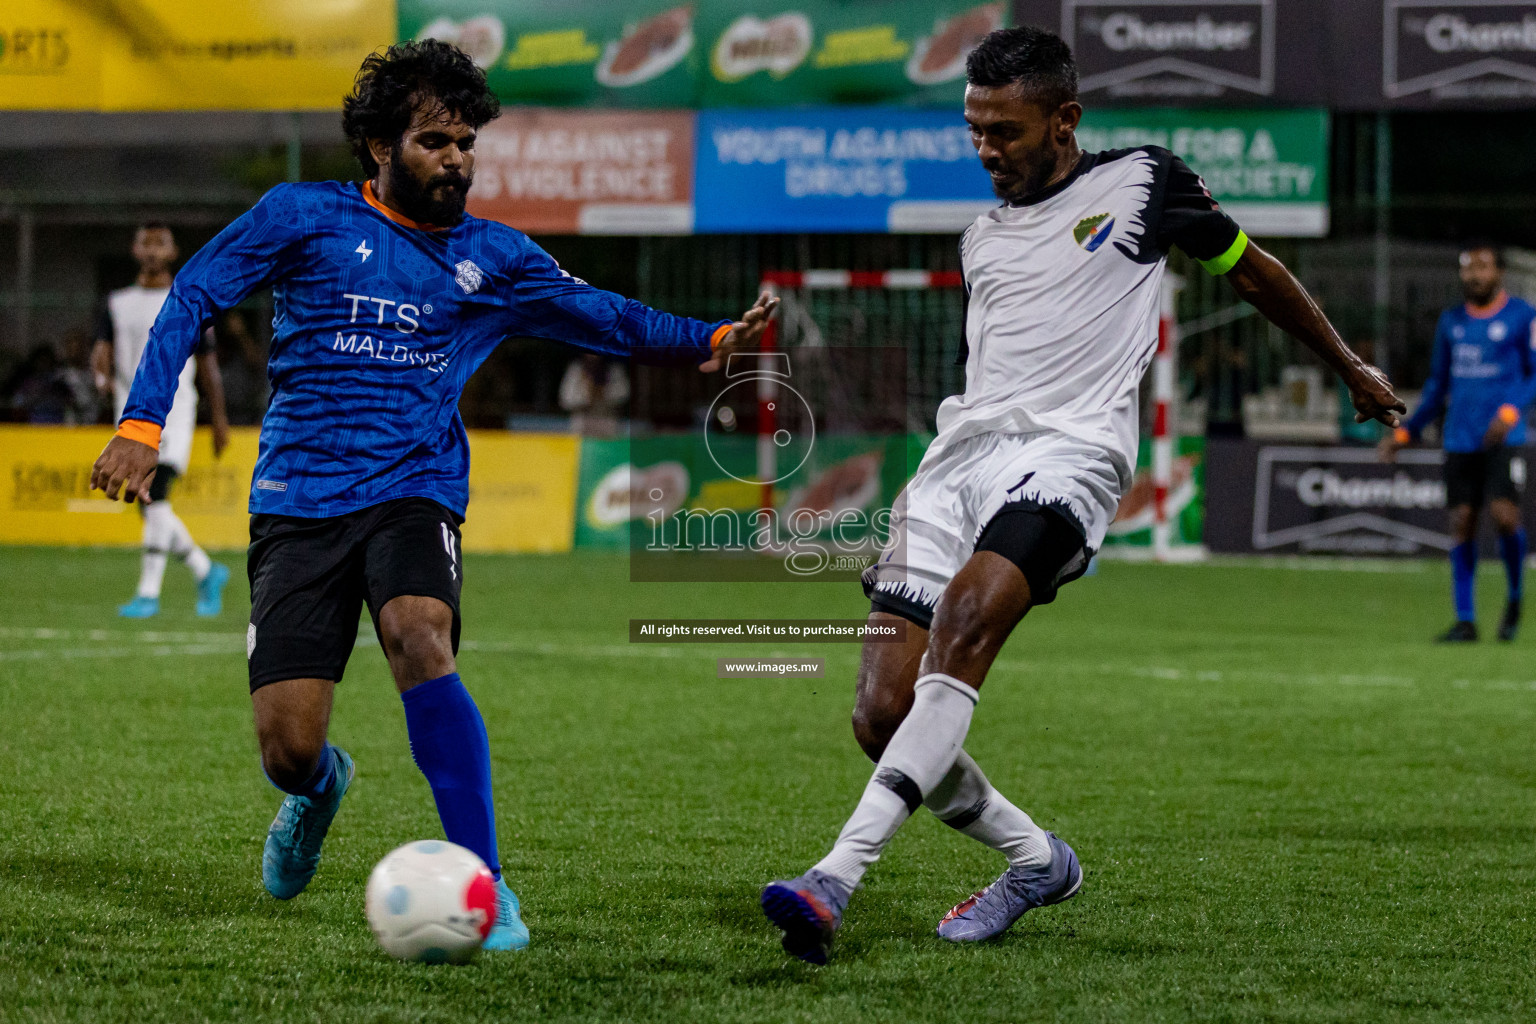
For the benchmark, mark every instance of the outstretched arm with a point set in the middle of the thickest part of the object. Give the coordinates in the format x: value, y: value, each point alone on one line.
x: 243, y: 257
x: 1262, y: 281
x: 546, y: 302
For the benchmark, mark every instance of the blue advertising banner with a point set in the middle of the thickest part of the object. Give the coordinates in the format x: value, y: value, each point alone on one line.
x: 837, y: 169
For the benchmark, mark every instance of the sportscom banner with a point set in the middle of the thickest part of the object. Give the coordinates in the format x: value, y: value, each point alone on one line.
x: 1288, y: 499
x: 173, y: 55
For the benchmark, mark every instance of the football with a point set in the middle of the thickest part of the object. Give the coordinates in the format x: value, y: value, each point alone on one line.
x: 431, y: 901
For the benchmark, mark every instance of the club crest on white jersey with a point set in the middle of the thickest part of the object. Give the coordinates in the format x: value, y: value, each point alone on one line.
x: 1092, y: 232
x: 468, y: 276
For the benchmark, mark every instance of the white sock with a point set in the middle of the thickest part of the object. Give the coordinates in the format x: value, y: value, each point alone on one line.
x: 968, y: 803
x: 184, y: 547
x: 915, y: 761
x: 156, y: 541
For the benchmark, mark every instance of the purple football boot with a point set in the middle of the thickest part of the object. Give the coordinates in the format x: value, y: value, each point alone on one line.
x: 808, y: 909
x: 992, y: 911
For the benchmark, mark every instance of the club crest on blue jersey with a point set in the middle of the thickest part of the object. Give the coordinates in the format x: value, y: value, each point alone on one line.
x: 1092, y: 232
x: 468, y: 276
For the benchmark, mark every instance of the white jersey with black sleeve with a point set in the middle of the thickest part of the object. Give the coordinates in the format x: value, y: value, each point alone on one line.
x: 1060, y: 325
x: 1064, y: 287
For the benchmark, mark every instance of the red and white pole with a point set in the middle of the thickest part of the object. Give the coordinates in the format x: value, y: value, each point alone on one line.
x: 1163, y: 372
x: 767, y: 414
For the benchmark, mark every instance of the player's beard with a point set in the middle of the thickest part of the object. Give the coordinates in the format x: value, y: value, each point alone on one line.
x: 1031, y: 174
x: 1480, y: 295
x: 438, y: 201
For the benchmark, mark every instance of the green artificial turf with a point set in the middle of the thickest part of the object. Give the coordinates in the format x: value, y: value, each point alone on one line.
x: 1290, y: 806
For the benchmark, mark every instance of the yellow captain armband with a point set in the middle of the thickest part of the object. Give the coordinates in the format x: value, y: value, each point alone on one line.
x: 141, y: 431
x: 1508, y: 415
x: 1226, y: 261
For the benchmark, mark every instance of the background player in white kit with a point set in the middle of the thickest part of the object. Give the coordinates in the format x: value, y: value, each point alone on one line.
x: 120, y: 338
x: 1015, y: 493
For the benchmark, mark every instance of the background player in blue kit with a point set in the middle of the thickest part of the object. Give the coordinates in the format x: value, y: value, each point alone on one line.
x: 1483, y: 380
x: 387, y: 297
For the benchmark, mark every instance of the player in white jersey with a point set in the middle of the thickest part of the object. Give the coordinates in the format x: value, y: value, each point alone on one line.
x: 1015, y: 493
x: 121, y: 334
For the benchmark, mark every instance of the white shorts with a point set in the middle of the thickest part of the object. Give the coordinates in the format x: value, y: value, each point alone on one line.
x: 941, y: 514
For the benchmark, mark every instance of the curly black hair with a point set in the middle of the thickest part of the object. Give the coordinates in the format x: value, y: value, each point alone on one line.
x: 392, y: 85
x: 1036, y: 59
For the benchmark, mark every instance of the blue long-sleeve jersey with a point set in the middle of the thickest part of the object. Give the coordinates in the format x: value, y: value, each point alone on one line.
x: 378, y: 324
x: 1480, y: 363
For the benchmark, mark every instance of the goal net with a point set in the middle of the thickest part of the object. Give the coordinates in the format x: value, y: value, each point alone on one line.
x: 919, y: 318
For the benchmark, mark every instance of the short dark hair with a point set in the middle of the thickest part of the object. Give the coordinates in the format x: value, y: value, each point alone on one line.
x: 1479, y: 244
x: 153, y: 225
x: 1038, y: 60
x: 390, y: 86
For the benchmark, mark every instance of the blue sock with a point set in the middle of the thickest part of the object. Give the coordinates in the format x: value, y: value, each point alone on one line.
x: 320, y: 780
x: 451, y: 748
x: 1463, y: 572
x: 1512, y: 550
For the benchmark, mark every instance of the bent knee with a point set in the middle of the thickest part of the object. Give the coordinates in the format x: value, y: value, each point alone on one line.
x: 289, y: 761
x: 418, y: 639
x: 963, y: 642
x: 873, y: 727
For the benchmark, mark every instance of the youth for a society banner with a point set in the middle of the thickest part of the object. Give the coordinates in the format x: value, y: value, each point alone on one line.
x: 1267, y: 168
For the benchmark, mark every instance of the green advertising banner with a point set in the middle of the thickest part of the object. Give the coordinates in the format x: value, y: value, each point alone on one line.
x: 1132, y: 529
x: 1267, y: 168
x: 658, y: 53
x: 641, y: 53
x: 779, y: 53
x: 621, y: 482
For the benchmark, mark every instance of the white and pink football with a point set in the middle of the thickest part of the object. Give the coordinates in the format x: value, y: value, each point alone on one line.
x: 431, y: 901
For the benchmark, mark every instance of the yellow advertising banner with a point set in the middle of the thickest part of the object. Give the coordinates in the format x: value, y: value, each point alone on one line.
x: 179, y: 55
x: 50, y: 56
x: 522, y: 491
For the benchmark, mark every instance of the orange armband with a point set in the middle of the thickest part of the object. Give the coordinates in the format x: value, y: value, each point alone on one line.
x: 718, y: 336
x: 1508, y: 415
x: 141, y: 431
x: 1401, y: 435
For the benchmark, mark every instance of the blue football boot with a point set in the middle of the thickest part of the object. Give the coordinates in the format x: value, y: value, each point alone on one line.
x: 140, y: 608
x: 808, y: 910
x: 292, y: 852
x: 210, y: 592
x: 992, y: 911
x: 509, y: 931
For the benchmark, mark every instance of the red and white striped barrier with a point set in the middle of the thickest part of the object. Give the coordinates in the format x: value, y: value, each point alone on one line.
x: 862, y: 279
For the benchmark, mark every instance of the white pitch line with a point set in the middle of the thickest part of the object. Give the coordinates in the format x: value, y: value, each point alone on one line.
x: 159, y: 644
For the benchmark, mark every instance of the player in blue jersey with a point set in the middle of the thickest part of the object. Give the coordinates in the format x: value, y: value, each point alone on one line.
x: 387, y: 297
x: 1483, y: 380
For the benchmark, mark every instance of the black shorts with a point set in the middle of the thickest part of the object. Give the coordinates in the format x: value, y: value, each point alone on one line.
x: 160, y: 486
x: 1476, y: 478
x: 1045, y: 542
x: 311, y: 577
